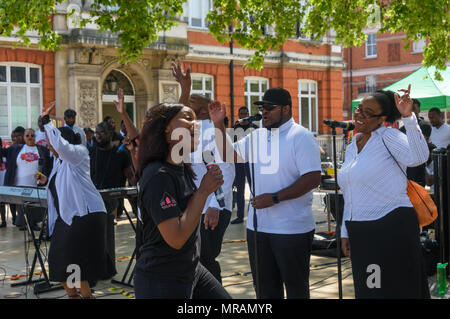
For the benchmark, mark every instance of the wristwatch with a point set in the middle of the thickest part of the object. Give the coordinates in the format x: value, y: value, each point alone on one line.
x: 275, y: 198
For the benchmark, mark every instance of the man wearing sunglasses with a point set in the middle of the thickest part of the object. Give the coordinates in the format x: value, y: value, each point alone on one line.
x: 23, y: 161
x: 283, y: 196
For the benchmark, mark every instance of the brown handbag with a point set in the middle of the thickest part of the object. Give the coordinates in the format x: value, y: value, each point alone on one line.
x: 424, y: 205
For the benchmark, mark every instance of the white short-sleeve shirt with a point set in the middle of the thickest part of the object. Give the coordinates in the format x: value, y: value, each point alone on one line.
x: 281, y: 156
x: 440, y: 136
x: 27, y: 166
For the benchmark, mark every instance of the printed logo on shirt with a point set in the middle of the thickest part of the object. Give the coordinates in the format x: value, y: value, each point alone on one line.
x: 29, y: 157
x: 43, y: 142
x: 167, y: 201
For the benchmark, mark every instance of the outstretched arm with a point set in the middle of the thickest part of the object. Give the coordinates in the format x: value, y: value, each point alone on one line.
x: 185, y: 81
x: 224, y: 145
x: 120, y: 107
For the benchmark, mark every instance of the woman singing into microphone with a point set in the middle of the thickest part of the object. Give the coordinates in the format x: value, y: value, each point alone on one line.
x: 76, y: 216
x: 170, y: 209
x: 380, y: 230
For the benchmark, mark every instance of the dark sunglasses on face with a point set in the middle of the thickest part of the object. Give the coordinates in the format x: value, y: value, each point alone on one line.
x: 365, y: 114
x: 30, y: 135
x: 267, y: 107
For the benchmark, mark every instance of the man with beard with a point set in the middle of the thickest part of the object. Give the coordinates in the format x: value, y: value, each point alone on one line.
x: 109, y: 167
x: 215, y: 218
x: 283, y: 196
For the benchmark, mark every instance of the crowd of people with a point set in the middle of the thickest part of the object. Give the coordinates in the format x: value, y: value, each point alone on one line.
x: 182, y: 219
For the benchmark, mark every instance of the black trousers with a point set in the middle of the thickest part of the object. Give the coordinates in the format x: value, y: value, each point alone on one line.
x: 242, y: 173
x: 35, y: 214
x: 154, y: 286
x: 13, y: 209
x: 211, y: 243
x: 386, y: 257
x: 3, y: 213
x: 282, y: 259
x: 110, y: 205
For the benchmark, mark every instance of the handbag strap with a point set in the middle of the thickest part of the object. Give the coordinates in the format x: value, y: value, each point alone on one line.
x: 404, y: 173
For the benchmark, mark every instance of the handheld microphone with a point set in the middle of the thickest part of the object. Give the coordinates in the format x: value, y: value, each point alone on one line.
x: 344, y: 125
x: 250, y: 119
x: 208, y: 159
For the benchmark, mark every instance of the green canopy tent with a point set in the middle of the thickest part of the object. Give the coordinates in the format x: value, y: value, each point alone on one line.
x: 424, y: 87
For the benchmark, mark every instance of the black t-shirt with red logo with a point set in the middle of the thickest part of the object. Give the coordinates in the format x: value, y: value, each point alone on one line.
x: 164, y: 192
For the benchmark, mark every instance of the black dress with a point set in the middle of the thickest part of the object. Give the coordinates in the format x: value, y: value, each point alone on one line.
x: 83, y: 243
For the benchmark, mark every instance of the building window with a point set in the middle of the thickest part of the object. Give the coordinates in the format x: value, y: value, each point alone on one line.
x: 195, y: 11
x: 393, y: 52
x: 371, y: 45
x: 419, y: 46
x: 20, y: 96
x: 307, y: 98
x: 254, y: 91
x: 371, y: 83
x: 202, y: 84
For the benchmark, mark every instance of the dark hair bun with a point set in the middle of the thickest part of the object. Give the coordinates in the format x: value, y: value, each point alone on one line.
x: 70, y: 136
x: 386, y: 100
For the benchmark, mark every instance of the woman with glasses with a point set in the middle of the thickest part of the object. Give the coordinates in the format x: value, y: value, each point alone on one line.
x: 380, y: 230
x: 22, y: 163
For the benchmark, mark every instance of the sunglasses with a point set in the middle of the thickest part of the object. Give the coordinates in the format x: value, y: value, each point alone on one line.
x: 267, y: 107
x: 30, y: 135
x: 365, y: 114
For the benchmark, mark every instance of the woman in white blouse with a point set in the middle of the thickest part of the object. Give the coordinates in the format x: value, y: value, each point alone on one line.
x: 76, y: 216
x: 380, y: 230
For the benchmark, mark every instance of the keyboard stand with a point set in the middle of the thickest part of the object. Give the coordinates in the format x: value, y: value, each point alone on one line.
x: 124, y: 280
x: 41, y: 285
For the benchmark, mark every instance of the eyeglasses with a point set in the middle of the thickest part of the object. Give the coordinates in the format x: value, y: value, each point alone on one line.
x: 267, y: 107
x: 365, y: 114
x: 30, y: 135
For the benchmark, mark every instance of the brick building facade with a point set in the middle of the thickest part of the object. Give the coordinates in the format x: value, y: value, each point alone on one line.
x: 85, y: 74
x: 377, y: 63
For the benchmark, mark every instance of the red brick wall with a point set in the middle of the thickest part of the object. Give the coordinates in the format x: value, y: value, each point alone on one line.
x: 329, y: 82
x: 45, y: 59
x: 329, y: 87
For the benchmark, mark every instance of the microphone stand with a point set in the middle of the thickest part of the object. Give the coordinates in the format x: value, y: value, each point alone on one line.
x: 255, y: 219
x: 338, y: 215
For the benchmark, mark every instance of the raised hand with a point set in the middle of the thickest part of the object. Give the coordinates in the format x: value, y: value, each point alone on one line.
x: 49, y: 109
x: 183, y: 78
x: 404, y: 104
x: 120, y: 105
x: 217, y: 112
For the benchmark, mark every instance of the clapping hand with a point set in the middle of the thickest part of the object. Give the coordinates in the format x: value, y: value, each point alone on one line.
x: 404, y: 104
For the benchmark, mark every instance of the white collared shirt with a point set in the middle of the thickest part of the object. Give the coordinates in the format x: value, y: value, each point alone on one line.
x: 207, y: 142
x: 77, y: 194
x: 281, y: 157
x: 371, y: 182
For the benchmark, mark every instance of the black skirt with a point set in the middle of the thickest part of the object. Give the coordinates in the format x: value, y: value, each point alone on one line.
x: 386, y: 257
x: 84, y: 244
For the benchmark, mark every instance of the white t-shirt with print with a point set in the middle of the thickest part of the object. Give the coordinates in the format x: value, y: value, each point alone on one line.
x: 41, y: 138
x: 27, y: 166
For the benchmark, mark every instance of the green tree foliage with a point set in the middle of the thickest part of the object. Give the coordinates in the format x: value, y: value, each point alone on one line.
x: 261, y: 25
